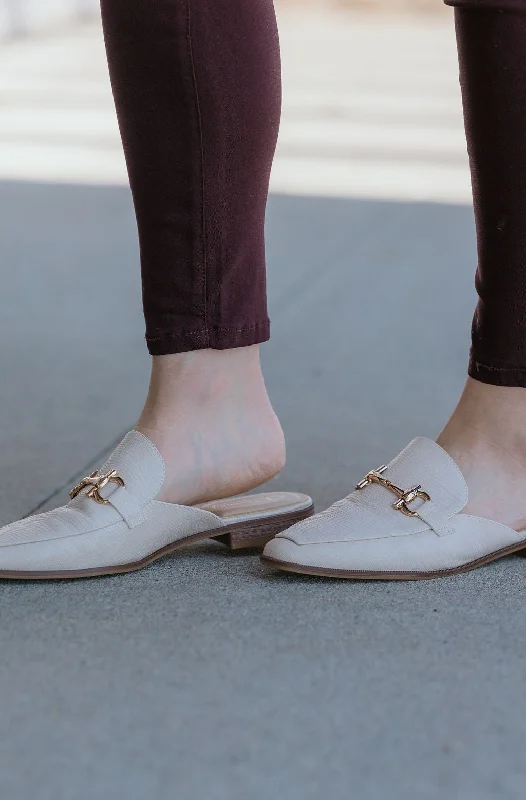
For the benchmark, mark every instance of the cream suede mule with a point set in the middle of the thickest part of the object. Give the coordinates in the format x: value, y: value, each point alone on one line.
x: 114, y: 523
x: 403, y: 522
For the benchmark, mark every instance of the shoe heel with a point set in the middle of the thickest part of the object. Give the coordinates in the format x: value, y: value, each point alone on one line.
x: 245, y: 535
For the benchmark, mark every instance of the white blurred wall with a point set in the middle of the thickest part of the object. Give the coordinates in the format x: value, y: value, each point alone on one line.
x: 381, y: 117
x: 22, y: 17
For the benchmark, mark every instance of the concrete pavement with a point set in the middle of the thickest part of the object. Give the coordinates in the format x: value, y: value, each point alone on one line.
x: 201, y: 676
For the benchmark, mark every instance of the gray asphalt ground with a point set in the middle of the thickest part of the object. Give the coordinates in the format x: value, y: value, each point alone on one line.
x: 202, y: 676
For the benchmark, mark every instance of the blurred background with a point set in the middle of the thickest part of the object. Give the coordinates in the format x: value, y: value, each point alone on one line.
x: 200, y: 676
x: 371, y: 100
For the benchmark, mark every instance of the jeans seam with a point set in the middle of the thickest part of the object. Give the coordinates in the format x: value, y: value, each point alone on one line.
x: 202, y: 155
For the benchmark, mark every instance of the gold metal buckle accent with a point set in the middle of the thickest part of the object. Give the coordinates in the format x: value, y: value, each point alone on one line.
x: 97, y: 482
x: 404, y: 496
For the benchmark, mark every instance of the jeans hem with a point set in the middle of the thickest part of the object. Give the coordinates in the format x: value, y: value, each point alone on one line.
x: 216, y: 338
x: 496, y: 376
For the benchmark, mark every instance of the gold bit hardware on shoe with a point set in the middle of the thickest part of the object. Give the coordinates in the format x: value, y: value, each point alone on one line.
x: 97, y: 482
x: 404, y: 496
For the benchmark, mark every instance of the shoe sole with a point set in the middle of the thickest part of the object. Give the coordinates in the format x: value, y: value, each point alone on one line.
x: 364, y: 575
x: 239, y: 536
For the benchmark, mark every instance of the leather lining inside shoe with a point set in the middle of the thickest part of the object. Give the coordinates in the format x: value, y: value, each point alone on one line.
x: 263, y: 504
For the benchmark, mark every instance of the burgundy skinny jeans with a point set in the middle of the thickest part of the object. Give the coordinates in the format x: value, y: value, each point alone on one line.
x: 198, y: 94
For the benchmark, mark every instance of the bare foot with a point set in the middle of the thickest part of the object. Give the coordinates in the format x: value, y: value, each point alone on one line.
x: 486, y: 436
x: 209, y: 414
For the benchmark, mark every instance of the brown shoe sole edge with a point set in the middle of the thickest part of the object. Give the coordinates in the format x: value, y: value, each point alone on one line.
x: 238, y: 536
x: 363, y: 575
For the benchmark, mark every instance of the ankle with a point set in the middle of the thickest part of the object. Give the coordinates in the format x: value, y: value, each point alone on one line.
x: 488, y: 419
x: 201, y: 379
